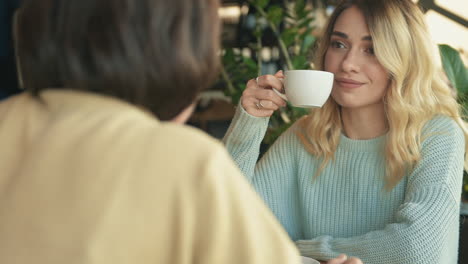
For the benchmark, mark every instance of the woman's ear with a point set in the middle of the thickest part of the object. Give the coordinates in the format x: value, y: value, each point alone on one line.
x: 15, y: 45
x: 183, y: 116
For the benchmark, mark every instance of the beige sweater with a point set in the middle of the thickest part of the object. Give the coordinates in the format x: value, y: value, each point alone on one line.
x: 89, y: 179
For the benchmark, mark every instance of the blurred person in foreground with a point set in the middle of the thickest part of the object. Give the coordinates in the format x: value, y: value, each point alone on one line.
x: 91, y: 172
x: 376, y: 172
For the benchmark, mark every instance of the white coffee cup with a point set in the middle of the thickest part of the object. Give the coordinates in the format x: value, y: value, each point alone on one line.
x: 307, y: 88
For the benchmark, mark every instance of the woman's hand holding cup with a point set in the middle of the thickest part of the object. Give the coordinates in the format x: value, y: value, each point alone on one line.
x: 258, y: 98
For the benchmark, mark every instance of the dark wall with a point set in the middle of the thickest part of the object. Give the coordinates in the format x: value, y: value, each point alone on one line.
x: 9, y: 84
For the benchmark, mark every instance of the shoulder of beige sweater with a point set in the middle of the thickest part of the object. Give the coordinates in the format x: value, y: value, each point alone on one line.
x: 182, y: 152
x: 186, y: 134
x: 140, y: 135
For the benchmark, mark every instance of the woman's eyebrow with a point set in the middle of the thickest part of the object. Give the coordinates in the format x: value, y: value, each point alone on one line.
x: 343, y: 35
x: 339, y: 34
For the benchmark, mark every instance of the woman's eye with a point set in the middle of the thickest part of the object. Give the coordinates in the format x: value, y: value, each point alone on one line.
x: 370, y: 50
x: 337, y: 44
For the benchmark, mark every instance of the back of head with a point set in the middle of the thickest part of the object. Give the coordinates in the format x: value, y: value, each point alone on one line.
x: 156, y: 54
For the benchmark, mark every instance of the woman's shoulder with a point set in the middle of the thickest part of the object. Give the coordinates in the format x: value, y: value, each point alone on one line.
x: 293, y: 136
x: 175, y: 149
x: 186, y: 135
x: 299, y: 125
x: 442, y: 124
x: 443, y: 129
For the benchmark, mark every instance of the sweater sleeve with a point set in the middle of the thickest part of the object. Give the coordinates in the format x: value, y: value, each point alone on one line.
x: 243, y: 139
x: 425, y: 229
x: 274, y: 176
x: 233, y: 224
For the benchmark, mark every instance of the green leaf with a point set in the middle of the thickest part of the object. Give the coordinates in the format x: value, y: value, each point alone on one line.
x: 228, y: 57
x: 456, y: 71
x: 250, y: 64
x: 275, y: 14
x: 300, y: 62
x: 288, y: 36
x: 300, y: 6
x: 261, y: 3
x: 309, y: 40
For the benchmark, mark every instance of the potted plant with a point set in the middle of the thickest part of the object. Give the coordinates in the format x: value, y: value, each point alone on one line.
x: 291, y: 24
x: 457, y: 74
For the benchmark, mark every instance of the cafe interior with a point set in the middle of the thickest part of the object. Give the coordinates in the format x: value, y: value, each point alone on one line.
x: 250, y: 47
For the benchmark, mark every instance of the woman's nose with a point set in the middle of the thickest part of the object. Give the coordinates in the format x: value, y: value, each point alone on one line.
x: 351, y: 62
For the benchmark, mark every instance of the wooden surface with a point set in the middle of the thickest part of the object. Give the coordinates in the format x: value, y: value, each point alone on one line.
x: 217, y: 110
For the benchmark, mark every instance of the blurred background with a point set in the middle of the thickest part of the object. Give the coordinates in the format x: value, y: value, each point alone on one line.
x: 247, y: 32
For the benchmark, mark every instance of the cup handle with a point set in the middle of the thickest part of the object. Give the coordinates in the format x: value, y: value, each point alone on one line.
x: 280, y: 94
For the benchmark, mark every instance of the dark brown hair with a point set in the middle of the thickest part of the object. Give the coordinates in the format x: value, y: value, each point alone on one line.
x: 158, y: 54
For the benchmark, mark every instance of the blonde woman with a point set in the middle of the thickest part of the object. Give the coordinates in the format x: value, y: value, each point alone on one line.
x: 376, y: 172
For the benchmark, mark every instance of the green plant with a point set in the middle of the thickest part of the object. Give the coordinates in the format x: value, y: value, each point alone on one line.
x: 291, y: 25
x: 457, y: 73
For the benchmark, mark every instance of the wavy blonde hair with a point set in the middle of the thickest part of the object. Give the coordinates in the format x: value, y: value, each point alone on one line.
x: 415, y: 95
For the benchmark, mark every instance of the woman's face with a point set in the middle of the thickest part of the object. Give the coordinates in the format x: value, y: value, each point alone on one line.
x: 360, y: 80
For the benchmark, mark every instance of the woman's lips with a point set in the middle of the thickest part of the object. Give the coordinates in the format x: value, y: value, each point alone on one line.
x: 348, y: 83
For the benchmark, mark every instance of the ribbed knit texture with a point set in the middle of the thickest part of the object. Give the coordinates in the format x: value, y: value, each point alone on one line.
x: 346, y: 210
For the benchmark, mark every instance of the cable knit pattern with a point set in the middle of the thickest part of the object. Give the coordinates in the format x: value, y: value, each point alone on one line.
x: 345, y: 209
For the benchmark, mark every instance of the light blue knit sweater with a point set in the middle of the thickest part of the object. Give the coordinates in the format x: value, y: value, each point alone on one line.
x: 346, y: 210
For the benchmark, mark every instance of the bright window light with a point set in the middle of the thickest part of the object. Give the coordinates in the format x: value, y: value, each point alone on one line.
x: 446, y: 31
x: 458, y: 7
